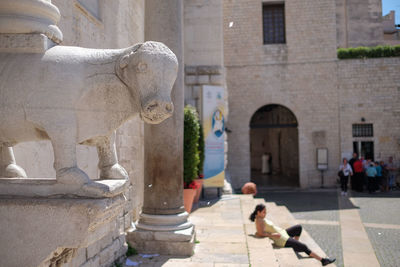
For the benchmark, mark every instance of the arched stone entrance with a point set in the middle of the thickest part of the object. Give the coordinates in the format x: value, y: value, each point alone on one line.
x: 274, y: 134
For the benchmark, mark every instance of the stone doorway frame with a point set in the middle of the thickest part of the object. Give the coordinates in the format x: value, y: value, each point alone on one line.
x: 276, y: 121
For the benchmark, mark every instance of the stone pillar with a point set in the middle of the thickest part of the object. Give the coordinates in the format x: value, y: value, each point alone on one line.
x: 28, y: 26
x: 163, y: 226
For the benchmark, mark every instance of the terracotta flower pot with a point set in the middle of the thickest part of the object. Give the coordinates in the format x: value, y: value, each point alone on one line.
x: 249, y: 188
x: 199, y: 183
x: 188, y: 197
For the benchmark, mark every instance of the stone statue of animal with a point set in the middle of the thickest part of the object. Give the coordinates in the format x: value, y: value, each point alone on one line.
x: 72, y: 95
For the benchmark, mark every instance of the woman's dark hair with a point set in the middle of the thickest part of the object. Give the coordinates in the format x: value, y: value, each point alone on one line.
x: 259, y: 207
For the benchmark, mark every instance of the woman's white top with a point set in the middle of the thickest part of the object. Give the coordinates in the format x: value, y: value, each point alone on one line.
x: 347, y: 169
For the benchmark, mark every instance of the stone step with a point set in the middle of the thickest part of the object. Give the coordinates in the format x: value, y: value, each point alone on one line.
x: 287, y: 258
x: 226, y: 237
x: 220, y: 233
x: 305, y: 236
x: 247, y: 206
x: 260, y: 250
x: 281, y: 216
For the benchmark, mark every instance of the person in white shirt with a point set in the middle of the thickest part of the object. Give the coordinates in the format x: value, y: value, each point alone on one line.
x: 265, y: 163
x: 346, y: 172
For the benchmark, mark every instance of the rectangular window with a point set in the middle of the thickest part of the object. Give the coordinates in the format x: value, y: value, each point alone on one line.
x: 363, y: 130
x: 274, y: 23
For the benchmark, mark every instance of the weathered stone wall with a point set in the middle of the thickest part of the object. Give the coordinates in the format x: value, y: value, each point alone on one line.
x: 304, y: 75
x: 203, y: 48
x: 359, y: 22
x: 61, y: 232
x: 203, y: 32
x: 305, y: 39
x: 308, y: 90
x: 115, y: 24
x: 370, y: 89
x: 300, y: 75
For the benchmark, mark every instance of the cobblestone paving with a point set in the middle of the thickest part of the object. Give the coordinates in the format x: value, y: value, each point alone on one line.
x: 378, y: 208
x: 329, y: 239
x: 386, y: 243
x: 319, y: 205
x: 309, y: 205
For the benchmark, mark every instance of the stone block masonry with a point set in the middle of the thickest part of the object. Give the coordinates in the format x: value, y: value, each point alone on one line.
x: 369, y: 89
x: 299, y: 74
x: 72, y: 231
x: 308, y: 90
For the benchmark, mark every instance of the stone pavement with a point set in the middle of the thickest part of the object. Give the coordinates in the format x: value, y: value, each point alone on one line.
x: 359, y: 230
x: 225, y: 238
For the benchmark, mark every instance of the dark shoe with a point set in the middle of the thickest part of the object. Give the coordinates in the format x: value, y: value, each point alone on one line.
x: 326, y: 261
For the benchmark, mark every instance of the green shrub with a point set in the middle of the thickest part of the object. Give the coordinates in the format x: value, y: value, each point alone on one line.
x: 342, y: 53
x: 396, y: 50
x: 190, y: 147
x: 201, y: 150
x: 368, y: 52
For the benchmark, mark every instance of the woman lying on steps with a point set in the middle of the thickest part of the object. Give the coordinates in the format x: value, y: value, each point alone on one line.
x: 288, y: 238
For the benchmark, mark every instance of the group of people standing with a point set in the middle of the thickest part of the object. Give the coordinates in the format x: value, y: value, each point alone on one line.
x: 367, y: 174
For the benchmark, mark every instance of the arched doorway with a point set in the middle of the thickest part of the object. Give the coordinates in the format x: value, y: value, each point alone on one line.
x: 274, y: 139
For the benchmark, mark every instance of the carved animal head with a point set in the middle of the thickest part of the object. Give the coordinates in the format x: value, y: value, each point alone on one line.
x: 150, y: 70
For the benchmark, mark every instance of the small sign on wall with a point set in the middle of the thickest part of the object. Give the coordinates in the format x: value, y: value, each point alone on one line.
x: 322, y: 159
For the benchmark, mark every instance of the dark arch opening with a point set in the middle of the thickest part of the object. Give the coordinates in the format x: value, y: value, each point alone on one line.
x: 274, y: 147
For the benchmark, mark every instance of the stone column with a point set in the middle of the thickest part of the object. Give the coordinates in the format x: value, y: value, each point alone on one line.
x: 163, y: 226
x: 28, y: 26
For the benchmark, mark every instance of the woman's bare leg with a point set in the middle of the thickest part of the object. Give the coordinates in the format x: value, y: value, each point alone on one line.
x: 315, y: 256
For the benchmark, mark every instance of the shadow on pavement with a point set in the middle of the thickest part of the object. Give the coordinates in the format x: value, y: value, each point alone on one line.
x: 390, y: 194
x: 309, y: 200
x: 204, y: 203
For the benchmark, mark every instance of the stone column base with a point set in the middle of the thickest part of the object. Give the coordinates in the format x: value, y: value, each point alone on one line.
x: 179, y: 243
x: 163, y: 234
x: 25, y: 43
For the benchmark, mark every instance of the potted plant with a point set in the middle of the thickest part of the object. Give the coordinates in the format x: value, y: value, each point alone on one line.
x: 199, y: 180
x: 190, y: 155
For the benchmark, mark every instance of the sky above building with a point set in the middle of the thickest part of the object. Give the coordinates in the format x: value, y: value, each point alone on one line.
x: 388, y: 5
